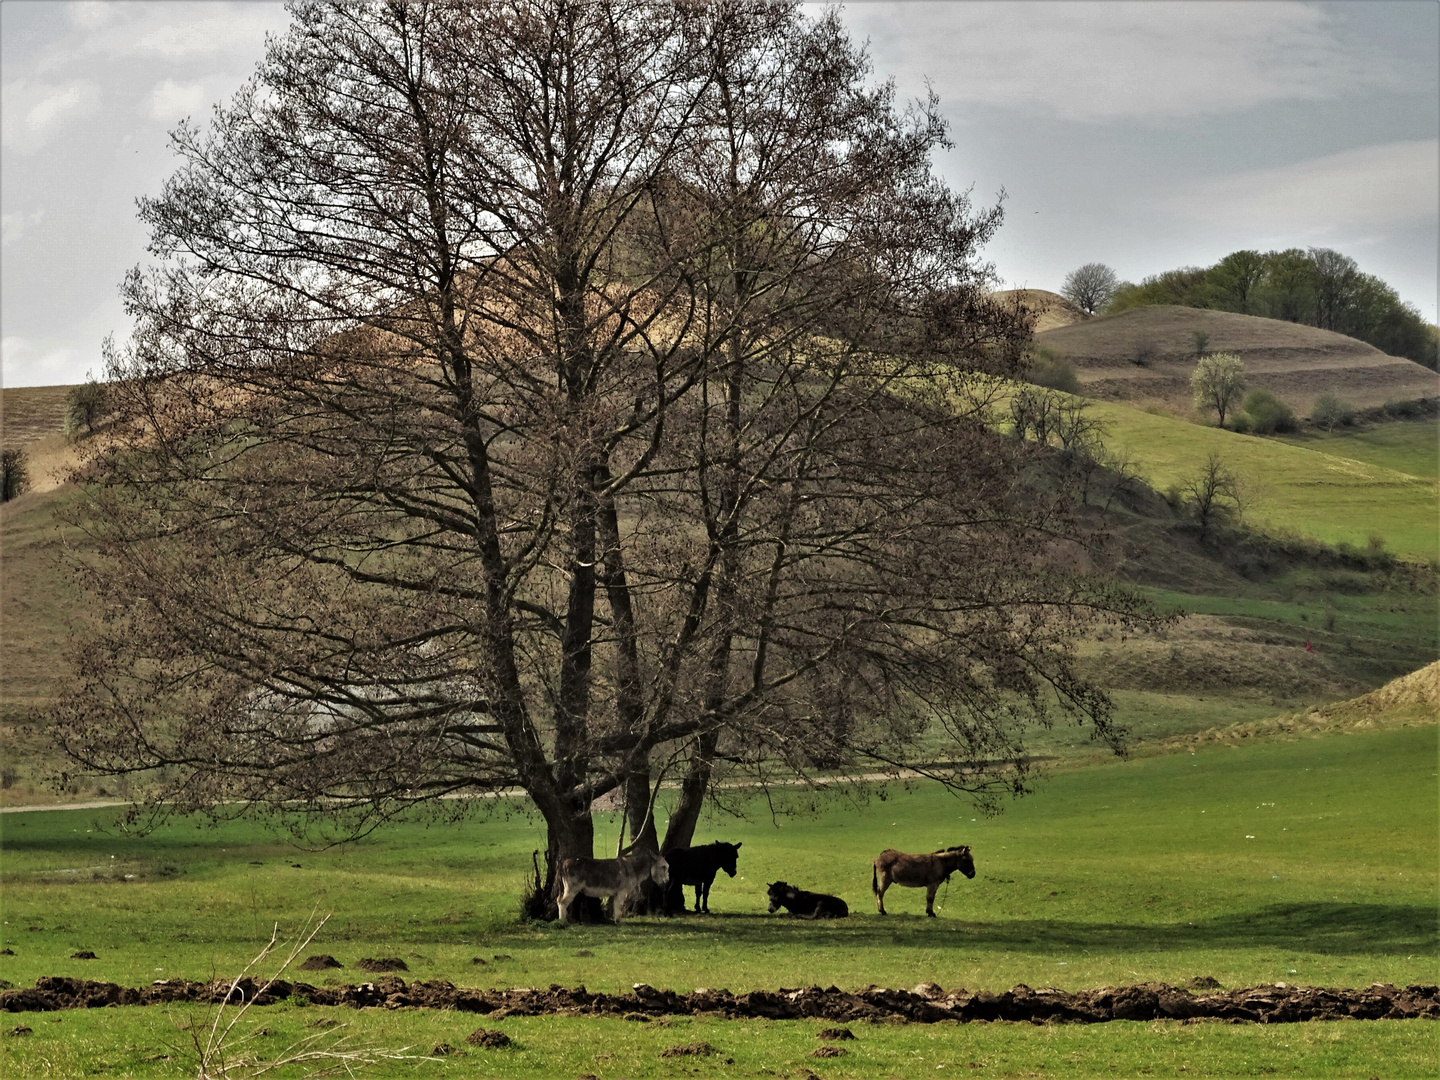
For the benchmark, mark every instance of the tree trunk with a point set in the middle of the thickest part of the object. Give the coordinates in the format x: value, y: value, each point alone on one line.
x: 681, y: 828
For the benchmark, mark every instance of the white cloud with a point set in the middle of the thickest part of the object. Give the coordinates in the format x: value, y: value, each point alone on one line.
x: 1375, y: 186
x: 91, y: 14
x: 13, y: 226
x: 169, y: 101
x: 1088, y: 61
x: 35, y: 112
x: 195, y: 30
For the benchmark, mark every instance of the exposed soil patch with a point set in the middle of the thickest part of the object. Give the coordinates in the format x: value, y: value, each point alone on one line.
x: 1150, y: 1001
x: 384, y: 963
x: 696, y: 1049
x: 836, y: 1034
x: 488, y: 1038
x: 828, y: 1052
x: 321, y: 961
x: 84, y: 954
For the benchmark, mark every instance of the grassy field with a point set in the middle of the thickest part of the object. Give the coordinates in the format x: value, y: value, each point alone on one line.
x: 1299, y: 860
x: 1408, y: 446
x: 1296, y: 858
x: 1337, y: 499
x: 147, y: 1043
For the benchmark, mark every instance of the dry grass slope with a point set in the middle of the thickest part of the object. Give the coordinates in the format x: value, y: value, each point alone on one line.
x: 32, y: 418
x: 1051, y: 309
x: 1409, y: 701
x: 1147, y: 354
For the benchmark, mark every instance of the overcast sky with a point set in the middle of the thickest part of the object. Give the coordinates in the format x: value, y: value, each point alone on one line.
x: 1142, y: 135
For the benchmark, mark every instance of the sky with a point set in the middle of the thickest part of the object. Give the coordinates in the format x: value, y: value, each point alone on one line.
x: 1144, y: 135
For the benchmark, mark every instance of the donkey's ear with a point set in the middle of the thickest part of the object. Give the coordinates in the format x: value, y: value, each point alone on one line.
x: 740, y: 845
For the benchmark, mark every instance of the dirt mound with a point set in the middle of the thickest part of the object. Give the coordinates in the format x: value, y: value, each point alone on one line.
x: 319, y: 962
x: 1418, y: 688
x: 696, y: 1049
x: 384, y: 963
x: 1148, y: 354
x: 1051, y: 309
x: 1280, y: 1003
x: 488, y: 1038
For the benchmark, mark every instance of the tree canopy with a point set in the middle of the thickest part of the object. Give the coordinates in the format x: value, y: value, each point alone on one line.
x: 567, y: 397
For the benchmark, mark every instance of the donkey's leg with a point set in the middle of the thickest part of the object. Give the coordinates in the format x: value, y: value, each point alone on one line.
x: 880, y: 894
x: 705, y: 885
x: 930, y: 891
x: 566, y: 899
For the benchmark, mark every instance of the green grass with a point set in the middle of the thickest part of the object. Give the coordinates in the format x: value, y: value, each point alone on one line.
x: 1334, y: 498
x: 1128, y: 872
x: 1407, y: 446
x: 149, y: 1043
x: 1301, y: 860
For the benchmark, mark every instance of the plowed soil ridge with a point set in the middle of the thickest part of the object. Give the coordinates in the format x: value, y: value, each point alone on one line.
x: 1148, y: 1001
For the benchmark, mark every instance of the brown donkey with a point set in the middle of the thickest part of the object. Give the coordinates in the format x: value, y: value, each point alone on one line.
x: 896, y: 868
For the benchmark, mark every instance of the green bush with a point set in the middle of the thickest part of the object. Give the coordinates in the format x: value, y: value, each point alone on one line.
x: 1267, y: 413
x: 85, y: 406
x: 1053, y: 371
x: 1330, y: 412
x: 14, y: 474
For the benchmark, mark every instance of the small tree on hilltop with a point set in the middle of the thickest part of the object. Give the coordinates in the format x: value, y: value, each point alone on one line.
x: 85, y: 405
x: 1218, y: 382
x: 1090, y: 287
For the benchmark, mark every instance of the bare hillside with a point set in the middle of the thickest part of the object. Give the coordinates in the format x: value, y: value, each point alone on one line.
x: 1148, y: 354
x: 1051, y: 309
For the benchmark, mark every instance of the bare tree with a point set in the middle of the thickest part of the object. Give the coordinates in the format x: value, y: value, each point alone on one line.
x: 1090, y: 287
x: 1218, y: 382
x: 1213, y: 494
x: 566, y: 396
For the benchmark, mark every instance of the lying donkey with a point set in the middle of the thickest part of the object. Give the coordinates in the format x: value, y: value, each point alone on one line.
x: 807, y: 905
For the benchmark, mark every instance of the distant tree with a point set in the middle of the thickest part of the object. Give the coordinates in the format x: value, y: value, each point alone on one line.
x: 1201, y: 341
x: 1213, y: 494
x: 1287, y: 289
x: 1218, y: 383
x: 1185, y: 287
x: 1330, y: 412
x: 1090, y: 287
x: 14, y: 474
x: 1335, y: 280
x: 1232, y: 280
x: 85, y: 405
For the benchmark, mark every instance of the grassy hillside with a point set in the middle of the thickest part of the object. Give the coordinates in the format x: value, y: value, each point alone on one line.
x: 1407, y: 446
x: 1335, y: 499
x: 1148, y: 354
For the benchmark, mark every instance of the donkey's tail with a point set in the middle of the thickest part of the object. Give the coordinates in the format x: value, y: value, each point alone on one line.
x: 874, y: 881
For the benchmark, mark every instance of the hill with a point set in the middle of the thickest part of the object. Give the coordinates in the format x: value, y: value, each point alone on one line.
x: 1147, y: 354
x: 1051, y: 309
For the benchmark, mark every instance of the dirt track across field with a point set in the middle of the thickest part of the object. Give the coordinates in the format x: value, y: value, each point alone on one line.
x: 926, y: 1004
